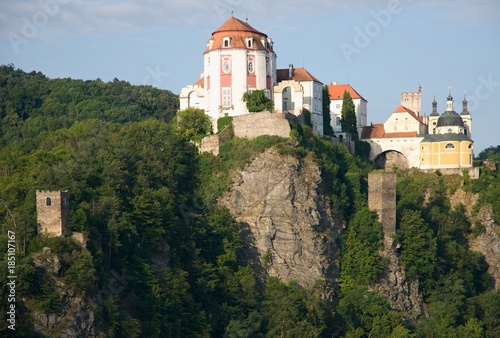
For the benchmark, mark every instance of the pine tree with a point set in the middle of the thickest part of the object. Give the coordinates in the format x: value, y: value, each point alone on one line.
x: 327, y: 128
x: 348, y: 114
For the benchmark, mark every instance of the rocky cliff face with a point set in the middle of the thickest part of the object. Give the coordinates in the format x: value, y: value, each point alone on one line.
x: 403, y: 295
x: 286, y: 219
x: 488, y: 242
x: 76, y: 314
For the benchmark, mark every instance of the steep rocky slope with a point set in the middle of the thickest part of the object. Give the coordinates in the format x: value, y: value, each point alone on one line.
x: 76, y: 314
x: 287, y: 220
x: 488, y: 242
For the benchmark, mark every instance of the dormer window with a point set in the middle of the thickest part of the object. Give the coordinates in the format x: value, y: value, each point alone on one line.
x: 226, y: 42
x: 250, y: 42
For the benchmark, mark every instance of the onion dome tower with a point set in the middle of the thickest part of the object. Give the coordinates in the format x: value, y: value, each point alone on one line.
x: 465, y: 115
x: 450, y: 121
x: 433, y: 117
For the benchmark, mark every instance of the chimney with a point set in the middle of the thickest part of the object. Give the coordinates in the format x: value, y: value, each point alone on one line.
x: 290, y: 71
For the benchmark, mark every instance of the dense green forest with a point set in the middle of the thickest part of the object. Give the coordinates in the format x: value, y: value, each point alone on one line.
x: 146, y: 201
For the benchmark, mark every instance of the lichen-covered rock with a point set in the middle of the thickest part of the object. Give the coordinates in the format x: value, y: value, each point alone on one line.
x: 488, y: 243
x: 75, y: 315
x: 285, y: 217
x: 402, y: 294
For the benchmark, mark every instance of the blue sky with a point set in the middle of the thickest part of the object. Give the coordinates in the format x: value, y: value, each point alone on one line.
x: 381, y: 47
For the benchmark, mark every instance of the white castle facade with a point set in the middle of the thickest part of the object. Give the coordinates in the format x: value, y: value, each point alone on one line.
x: 238, y: 59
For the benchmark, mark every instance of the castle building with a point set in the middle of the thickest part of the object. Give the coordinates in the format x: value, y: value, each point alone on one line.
x: 449, y: 145
x: 336, y: 92
x: 52, y: 209
x: 408, y: 139
x: 238, y: 59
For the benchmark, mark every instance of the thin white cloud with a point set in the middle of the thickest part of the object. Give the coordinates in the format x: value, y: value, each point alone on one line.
x: 80, y: 17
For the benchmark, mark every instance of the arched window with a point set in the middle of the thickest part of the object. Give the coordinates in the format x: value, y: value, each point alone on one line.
x: 48, y: 201
x: 470, y: 146
x: 225, y: 42
x: 449, y: 146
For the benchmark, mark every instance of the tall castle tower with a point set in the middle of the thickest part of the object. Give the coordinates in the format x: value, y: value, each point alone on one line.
x: 465, y: 115
x: 412, y: 100
x: 52, y: 209
x: 238, y: 58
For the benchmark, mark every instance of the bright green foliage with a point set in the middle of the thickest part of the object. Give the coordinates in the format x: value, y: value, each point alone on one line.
x: 418, y: 246
x: 361, y: 311
x: 193, y: 121
x: 361, y: 263
x: 327, y: 128
x: 348, y: 116
x: 80, y: 275
x: 488, y: 187
x: 492, y: 153
x: 257, y: 101
x: 223, y: 122
x: 291, y: 311
x: 148, y: 204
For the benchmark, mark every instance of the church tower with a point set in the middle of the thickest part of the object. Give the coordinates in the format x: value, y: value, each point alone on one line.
x: 433, y: 117
x: 465, y: 115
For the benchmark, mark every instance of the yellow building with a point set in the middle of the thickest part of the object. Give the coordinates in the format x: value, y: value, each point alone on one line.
x: 449, y: 144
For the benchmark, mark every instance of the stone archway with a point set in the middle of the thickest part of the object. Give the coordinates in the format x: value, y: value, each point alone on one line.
x: 391, y: 158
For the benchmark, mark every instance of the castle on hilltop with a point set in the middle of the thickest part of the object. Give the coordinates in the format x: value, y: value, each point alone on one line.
x: 409, y: 139
x: 239, y: 59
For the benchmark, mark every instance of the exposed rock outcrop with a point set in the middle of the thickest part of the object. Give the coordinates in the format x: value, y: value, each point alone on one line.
x: 285, y: 217
x: 402, y: 294
x: 75, y: 316
x: 488, y: 243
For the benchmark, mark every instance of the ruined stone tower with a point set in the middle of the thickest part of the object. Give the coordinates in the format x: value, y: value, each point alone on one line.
x: 382, y: 199
x: 52, y: 209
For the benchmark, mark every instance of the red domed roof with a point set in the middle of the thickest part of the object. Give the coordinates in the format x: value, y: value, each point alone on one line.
x: 238, y: 32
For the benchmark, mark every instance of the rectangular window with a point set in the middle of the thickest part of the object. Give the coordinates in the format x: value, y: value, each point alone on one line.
x: 226, y: 97
x: 338, y: 105
x: 337, y: 120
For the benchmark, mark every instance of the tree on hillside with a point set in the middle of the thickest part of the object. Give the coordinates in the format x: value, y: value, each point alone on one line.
x: 418, y: 246
x: 327, y: 128
x: 492, y: 153
x: 348, y: 114
x: 193, y: 121
x: 257, y: 101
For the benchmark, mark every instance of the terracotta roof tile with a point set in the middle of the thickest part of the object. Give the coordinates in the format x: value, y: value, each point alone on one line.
x: 403, y: 109
x: 200, y: 82
x: 233, y: 24
x: 337, y: 92
x: 378, y: 131
x: 299, y: 74
x: 238, y: 31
